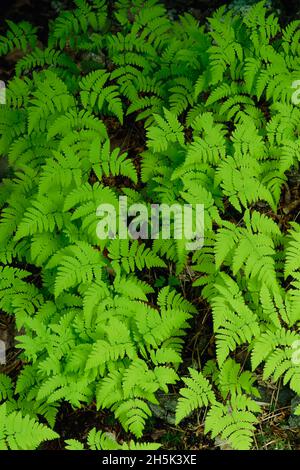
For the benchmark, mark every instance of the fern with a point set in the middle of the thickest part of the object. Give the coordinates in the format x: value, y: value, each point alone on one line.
x: 94, y: 94
x: 167, y: 130
x: 124, y: 101
x: 20, y: 432
x: 234, y: 422
x: 198, y: 393
x: 131, y: 255
x: 98, y: 440
x: 19, y: 36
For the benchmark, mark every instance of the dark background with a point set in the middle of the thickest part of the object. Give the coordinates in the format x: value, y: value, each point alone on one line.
x: 40, y: 11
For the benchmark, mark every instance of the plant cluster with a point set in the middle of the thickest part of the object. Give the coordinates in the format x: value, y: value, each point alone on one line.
x: 220, y: 130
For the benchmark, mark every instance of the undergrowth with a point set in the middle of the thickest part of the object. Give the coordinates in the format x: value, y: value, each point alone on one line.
x: 220, y: 129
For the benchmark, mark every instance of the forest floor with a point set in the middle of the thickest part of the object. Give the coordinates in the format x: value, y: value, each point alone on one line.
x: 277, y: 428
